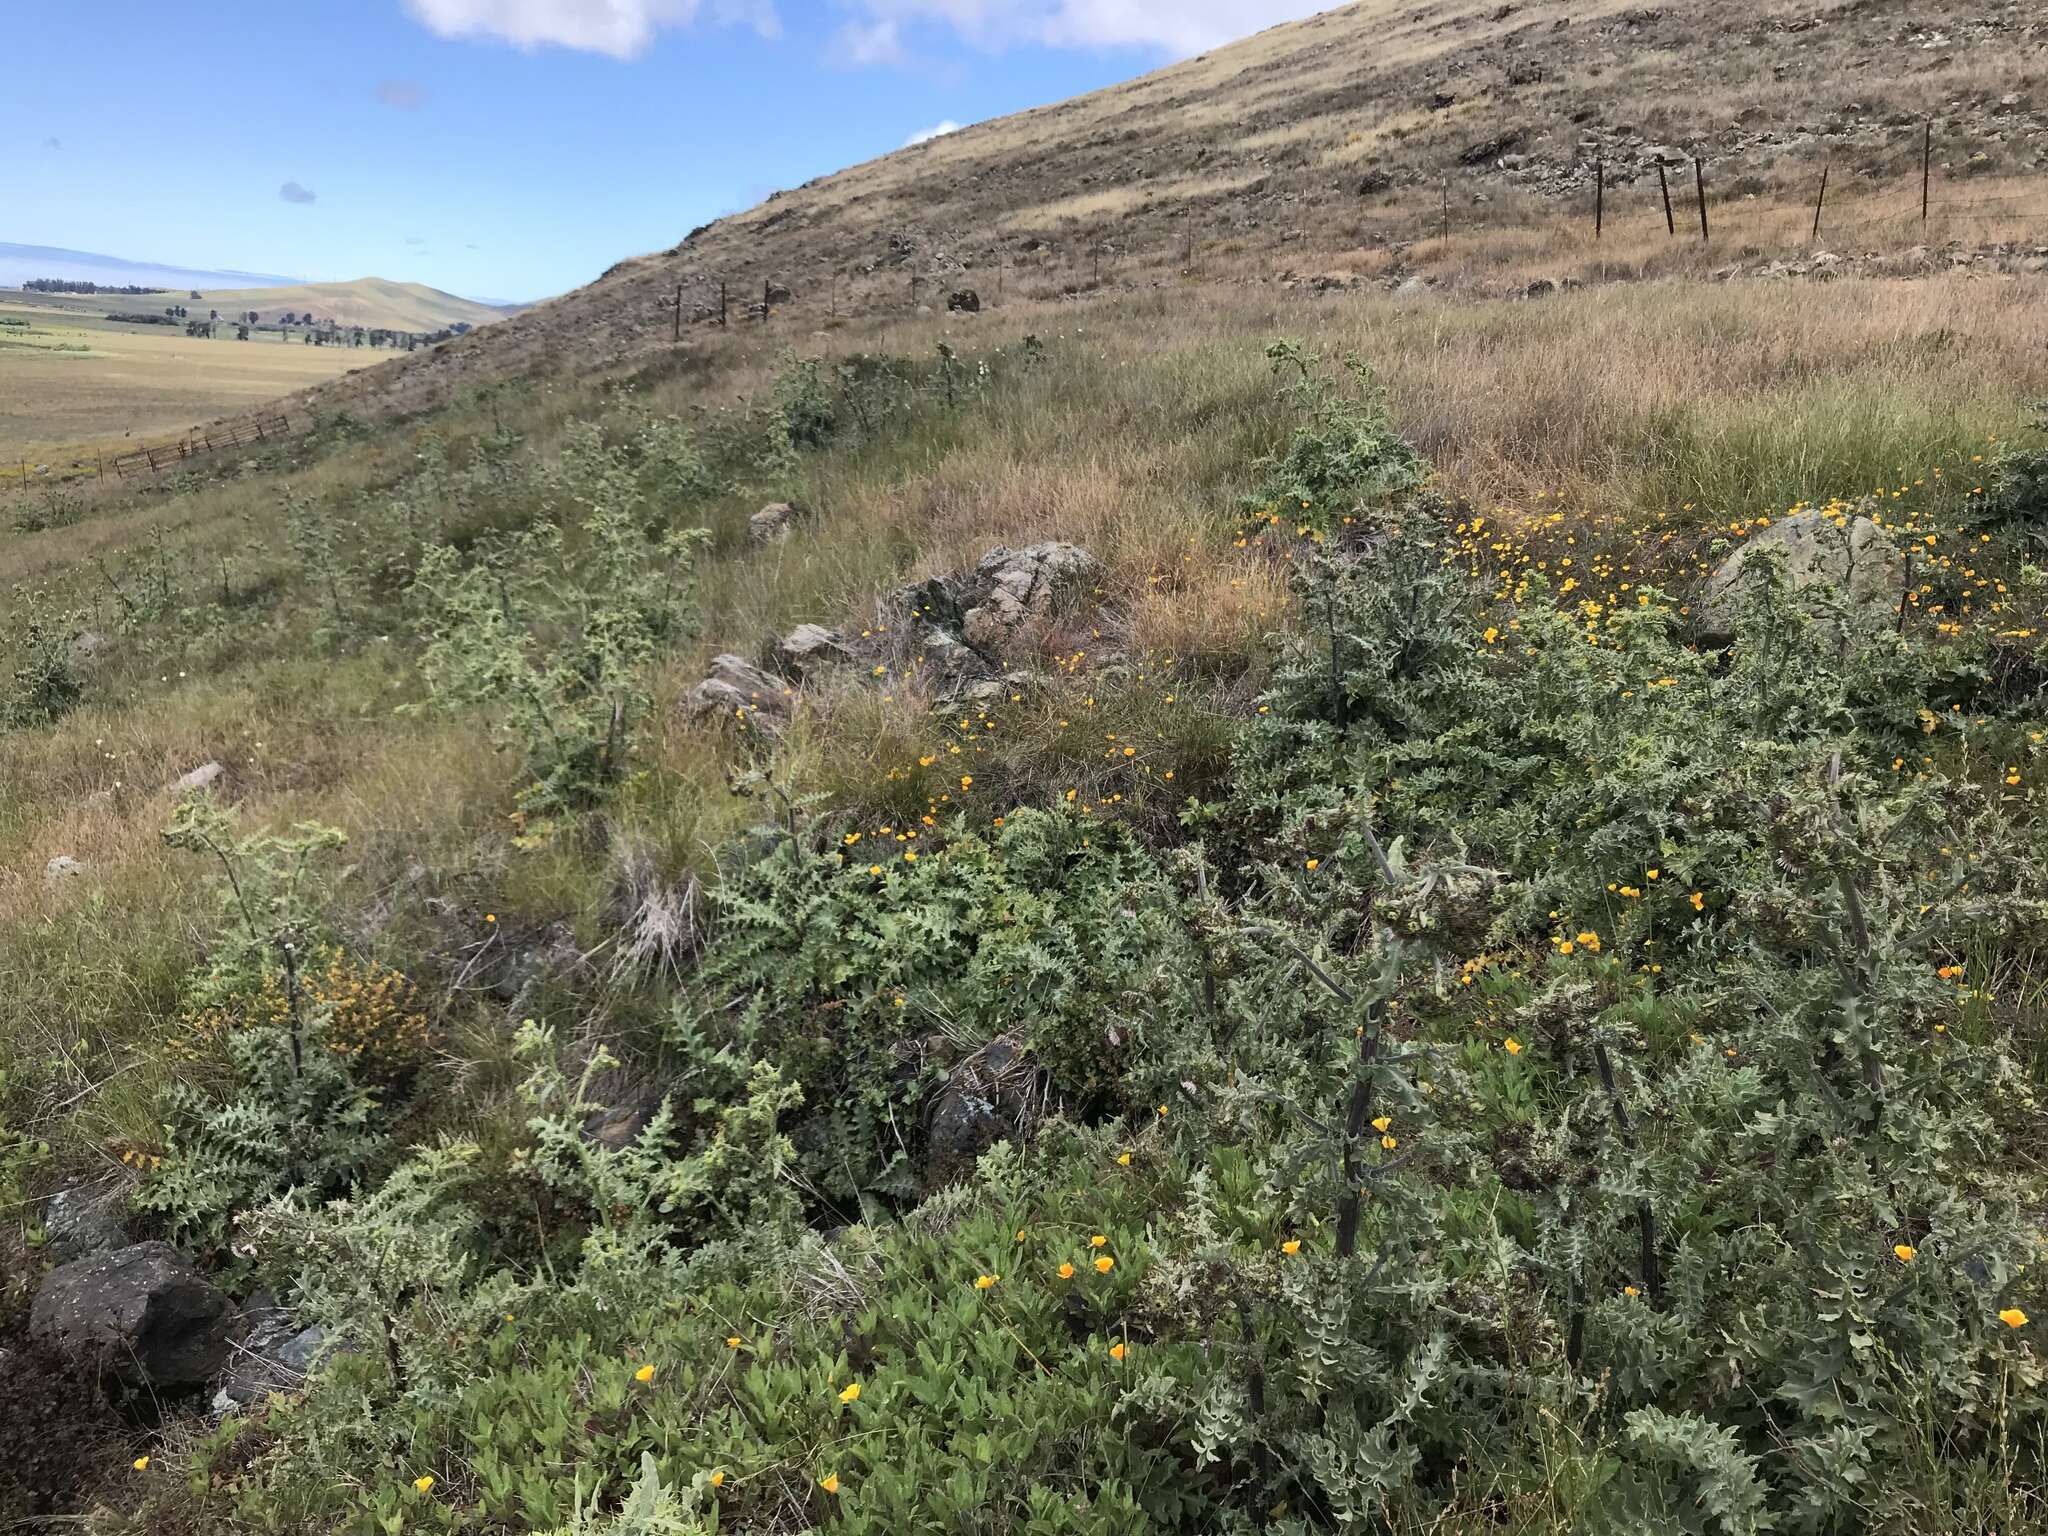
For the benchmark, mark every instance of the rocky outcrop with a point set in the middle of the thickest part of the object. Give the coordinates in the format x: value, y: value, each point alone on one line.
x: 963, y: 301
x: 1854, y: 557
x: 141, y: 1313
x: 1020, y: 596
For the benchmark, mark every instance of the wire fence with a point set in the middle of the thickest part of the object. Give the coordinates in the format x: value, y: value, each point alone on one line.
x: 1909, y: 186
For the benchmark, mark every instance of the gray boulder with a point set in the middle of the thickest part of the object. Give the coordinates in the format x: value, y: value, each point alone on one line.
x: 82, y: 1221
x: 809, y: 647
x: 737, y: 684
x: 1020, y: 595
x: 62, y: 868
x: 273, y: 1355
x: 989, y: 1097
x: 1859, y: 561
x: 773, y: 523
x: 142, y: 1313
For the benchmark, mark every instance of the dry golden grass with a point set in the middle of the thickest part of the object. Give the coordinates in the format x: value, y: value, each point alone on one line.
x: 1671, y: 396
x: 61, y: 410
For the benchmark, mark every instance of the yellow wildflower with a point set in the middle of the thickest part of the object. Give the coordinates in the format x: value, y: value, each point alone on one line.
x: 1906, y: 1252
x: 852, y: 1392
x: 986, y: 1282
x: 1117, y: 1351
x: 424, y: 1482
x: 829, y: 1482
x: 1104, y: 1264
x: 1291, y: 1247
x: 644, y: 1375
x: 2013, y: 1317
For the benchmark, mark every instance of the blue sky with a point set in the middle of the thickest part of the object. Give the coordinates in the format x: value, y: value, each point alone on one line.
x: 510, y: 149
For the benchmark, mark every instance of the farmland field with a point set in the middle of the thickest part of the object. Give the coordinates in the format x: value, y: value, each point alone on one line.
x: 74, y: 384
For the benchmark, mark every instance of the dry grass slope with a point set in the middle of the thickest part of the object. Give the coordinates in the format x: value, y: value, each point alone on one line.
x: 1334, y: 143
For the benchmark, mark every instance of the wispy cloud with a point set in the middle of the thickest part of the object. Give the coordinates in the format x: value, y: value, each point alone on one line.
x: 936, y: 131
x: 1177, y: 30
x: 53, y: 142
x: 402, y: 95
x: 292, y: 192
x: 865, y: 44
x: 622, y: 29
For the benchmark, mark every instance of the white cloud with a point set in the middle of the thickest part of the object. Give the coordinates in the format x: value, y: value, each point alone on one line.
x: 866, y: 43
x: 1180, y: 29
x: 292, y: 192
x: 619, y: 28
x: 936, y: 131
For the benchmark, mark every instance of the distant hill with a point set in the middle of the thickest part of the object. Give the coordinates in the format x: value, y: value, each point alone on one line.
x: 24, y: 263
x: 370, y: 301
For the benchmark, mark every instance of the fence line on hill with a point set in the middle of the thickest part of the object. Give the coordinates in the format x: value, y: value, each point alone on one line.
x: 1718, y: 203
x: 233, y: 434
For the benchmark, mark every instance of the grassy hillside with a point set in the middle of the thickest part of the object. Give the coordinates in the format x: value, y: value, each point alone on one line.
x: 1148, y: 863
x: 1298, y: 960
x: 1334, y: 153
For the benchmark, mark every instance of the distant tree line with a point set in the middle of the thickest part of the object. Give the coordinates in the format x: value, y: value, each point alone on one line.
x: 68, y: 285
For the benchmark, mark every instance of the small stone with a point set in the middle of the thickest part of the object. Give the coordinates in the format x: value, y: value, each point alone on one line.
x: 808, y: 647
x: 772, y: 523
x: 62, y: 868
x: 202, y: 777
x: 82, y: 1221
x: 736, y: 684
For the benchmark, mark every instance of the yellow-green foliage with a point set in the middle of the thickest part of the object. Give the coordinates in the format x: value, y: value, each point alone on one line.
x: 371, y: 1013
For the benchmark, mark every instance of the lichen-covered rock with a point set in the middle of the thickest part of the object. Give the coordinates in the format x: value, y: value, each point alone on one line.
x: 809, y: 647
x: 988, y: 1098
x: 82, y: 1221
x: 1852, y: 555
x: 1020, y: 595
x: 772, y: 523
x: 273, y: 1354
x: 140, y: 1312
x: 737, y: 685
